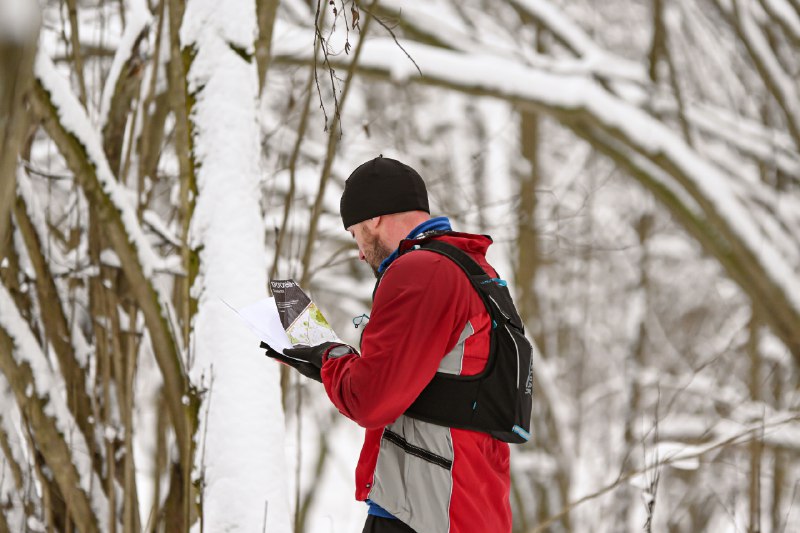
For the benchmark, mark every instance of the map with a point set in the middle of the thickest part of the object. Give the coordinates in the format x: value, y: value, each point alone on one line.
x: 301, y: 318
x: 310, y: 328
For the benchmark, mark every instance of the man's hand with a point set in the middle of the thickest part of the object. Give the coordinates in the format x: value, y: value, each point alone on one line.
x: 308, y: 359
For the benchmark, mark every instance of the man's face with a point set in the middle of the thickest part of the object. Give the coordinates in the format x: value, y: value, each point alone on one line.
x: 370, y: 247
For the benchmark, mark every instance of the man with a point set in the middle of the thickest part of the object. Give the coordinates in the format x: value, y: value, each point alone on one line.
x: 426, y: 318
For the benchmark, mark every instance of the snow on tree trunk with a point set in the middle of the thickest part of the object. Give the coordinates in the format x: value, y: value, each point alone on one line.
x: 240, y: 441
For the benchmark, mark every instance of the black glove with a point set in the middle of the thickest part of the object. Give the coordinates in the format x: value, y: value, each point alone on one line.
x: 308, y: 359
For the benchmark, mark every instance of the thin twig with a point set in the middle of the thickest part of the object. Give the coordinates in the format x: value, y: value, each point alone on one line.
x: 287, y: 204
x: 391, y: 32
x: 650, y: 496
x: 333, y: 139
x: 321, y: 43
x: 43, y: 173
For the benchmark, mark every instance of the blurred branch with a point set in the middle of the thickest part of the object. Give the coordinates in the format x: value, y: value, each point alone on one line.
x: 181, y: 103
x: 16, y: 64
x: 788, y: 21
x: 75, y: 48
x: 153, y: 109
x: 319, y: 469
x: 123, y: 89
x: 266, y: 11
x: 779, y: 83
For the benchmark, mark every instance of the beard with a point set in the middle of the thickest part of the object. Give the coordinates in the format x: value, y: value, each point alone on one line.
x: 375, y: 252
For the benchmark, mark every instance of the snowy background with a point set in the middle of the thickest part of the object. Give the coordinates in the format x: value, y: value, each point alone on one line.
x: 637, y: 163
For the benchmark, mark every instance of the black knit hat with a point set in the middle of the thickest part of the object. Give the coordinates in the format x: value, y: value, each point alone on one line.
x: 382, y: 186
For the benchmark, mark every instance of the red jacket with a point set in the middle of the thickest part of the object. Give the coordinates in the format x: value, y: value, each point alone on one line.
x: 426, y: 317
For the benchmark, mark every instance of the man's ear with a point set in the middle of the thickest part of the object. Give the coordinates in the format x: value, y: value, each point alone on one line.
x: 376, y: 221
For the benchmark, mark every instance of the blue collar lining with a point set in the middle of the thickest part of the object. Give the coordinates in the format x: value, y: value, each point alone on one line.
x: 434, y: 224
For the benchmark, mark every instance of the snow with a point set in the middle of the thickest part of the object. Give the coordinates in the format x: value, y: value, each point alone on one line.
x: 671, y: 452
x: 148, y: 382
x: 598, y: 60
x: 441, y: 21
x: 109, y: 258
x: 334, y: 509
x: 781, y: 430
x: 749, y: 137
x: 155, y: 222
x: 233, y: 22
x: 564, y: 28
x: 241, y: 438
x: 9, y: 492
x: 36, y: 212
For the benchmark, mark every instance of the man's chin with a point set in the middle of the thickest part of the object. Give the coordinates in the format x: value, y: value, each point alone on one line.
x: 376, y: 259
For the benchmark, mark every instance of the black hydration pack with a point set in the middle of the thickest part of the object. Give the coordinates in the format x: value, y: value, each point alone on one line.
x: 497, y: 401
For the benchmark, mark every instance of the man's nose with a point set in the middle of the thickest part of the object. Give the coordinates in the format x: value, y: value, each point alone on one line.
x: 361, y: 255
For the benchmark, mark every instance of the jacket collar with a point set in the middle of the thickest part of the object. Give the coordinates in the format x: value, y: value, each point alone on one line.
x: 433, y: 224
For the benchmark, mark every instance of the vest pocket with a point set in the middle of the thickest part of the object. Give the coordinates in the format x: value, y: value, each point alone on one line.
x: 413, y: 477
x: 416, y: 451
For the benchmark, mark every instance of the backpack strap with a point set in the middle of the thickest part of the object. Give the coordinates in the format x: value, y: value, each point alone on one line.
x: 476, y: 275
x: 457, y: 255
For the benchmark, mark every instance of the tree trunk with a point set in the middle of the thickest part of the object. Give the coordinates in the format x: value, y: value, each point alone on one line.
x: 241, y: 419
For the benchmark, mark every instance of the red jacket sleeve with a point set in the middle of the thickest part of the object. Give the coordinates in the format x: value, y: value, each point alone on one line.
x: 418, y: 314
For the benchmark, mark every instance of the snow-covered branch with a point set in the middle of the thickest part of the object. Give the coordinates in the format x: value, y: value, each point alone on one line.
x: 68, y: 125
x: 39, y: 394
